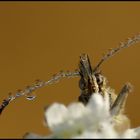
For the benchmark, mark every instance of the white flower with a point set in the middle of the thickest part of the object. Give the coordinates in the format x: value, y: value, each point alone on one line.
x: 90, y: 121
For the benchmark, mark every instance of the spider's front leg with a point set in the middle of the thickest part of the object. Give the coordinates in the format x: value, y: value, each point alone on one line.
x: 119, y: 103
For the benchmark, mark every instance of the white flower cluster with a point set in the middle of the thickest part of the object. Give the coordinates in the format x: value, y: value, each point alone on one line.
x: 90, y: 121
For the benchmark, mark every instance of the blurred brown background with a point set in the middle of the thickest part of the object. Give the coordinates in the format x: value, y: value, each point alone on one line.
x: 38, y: 39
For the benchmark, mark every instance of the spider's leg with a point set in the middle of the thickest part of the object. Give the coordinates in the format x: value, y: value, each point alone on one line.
x: 119, y: 103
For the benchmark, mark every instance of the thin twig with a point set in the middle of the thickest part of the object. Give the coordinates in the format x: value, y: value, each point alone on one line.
x: 122, y: 45
x: 27, y: 92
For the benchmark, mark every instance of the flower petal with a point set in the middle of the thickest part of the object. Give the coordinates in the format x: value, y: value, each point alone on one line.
x: 76, y: 110
x: 55, y: 115
x: 32, y: 136
x: 137, y: 130
x: 95, y: 102
x: 99, y: 106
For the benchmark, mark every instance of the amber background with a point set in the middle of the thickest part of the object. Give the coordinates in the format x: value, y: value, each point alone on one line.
x: 37, y: 39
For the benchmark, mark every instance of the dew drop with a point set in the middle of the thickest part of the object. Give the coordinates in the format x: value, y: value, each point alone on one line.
x: 30, y: 97
x: 18, y: 95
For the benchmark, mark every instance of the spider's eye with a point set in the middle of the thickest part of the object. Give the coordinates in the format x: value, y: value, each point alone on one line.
x: 82, y: 84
